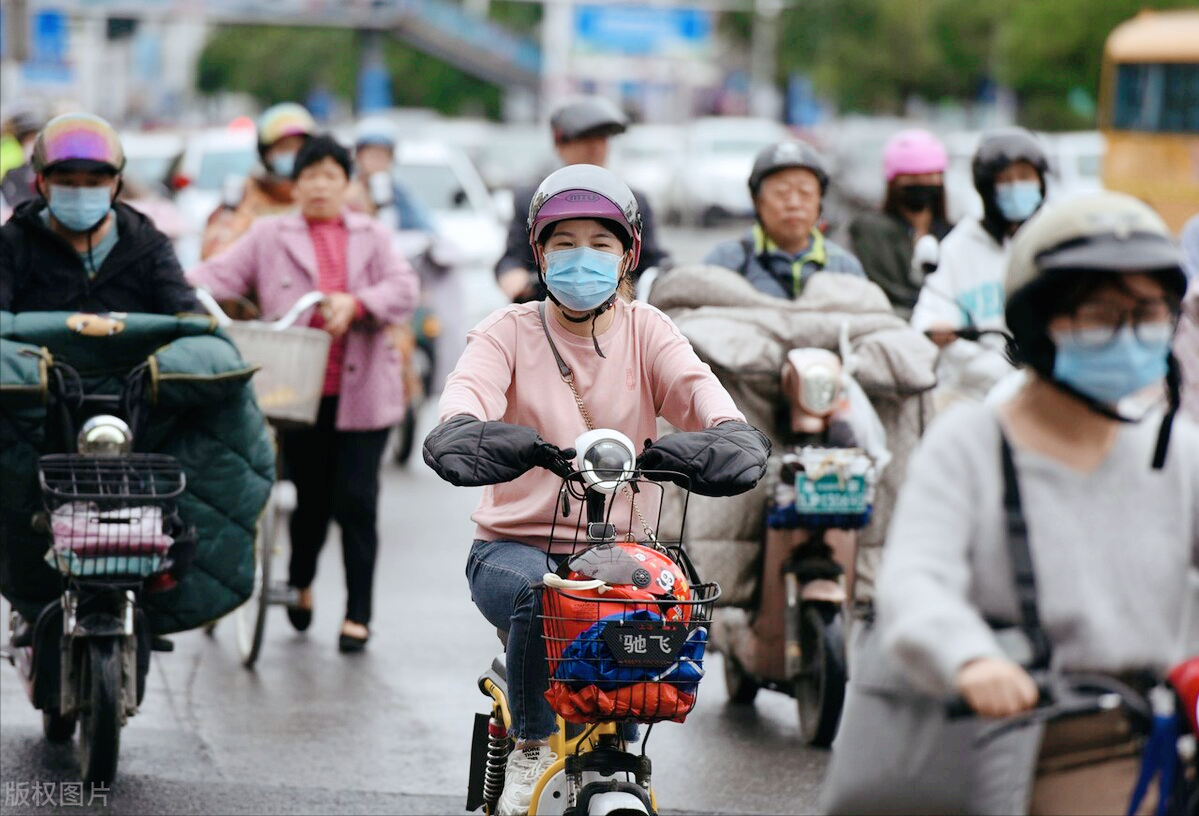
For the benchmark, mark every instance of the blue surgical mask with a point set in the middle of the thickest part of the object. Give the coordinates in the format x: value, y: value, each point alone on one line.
x: 1018, y: 200
x: 1112, y: 371
x: 283, y: 164
x: 79, y: 208
x: 582, y: 278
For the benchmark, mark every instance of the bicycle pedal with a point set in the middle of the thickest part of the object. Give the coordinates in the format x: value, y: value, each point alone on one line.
x: 161, y: 644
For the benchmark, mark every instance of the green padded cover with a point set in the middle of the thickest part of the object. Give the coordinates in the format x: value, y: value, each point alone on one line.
x: 203, y: 413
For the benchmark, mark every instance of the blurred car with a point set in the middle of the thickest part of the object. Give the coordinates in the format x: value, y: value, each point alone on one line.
x: 709, y: 176
x: 150, y: 158
x: 853, y: 151
x: 213, y: 165
x: 644, y: 156
x: 1076, y: 161
x: 445, y: 181
x: 516, y: 155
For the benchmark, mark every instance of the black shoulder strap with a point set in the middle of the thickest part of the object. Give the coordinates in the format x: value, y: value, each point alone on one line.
x: 563, y: 368
x: 1021, y: 558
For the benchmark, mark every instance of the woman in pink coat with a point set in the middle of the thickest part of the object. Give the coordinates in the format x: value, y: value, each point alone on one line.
x: 335, y: 463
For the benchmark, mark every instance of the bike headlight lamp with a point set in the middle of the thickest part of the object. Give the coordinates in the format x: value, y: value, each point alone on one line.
x: 819, y: 389
x: 819, y: 374
x: 104, y: 435
x: 605, y: 459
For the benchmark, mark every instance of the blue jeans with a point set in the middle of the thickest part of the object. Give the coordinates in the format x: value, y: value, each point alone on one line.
x: 501, y: 574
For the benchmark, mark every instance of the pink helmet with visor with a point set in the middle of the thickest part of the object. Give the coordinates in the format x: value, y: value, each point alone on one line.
x: 913, y: 152
x: 585, y: 191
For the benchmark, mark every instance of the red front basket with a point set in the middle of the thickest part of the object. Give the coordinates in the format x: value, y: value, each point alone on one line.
x: 623, y: 655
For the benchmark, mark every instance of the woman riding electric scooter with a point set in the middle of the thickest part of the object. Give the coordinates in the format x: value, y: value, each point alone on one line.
x: 533, y: 378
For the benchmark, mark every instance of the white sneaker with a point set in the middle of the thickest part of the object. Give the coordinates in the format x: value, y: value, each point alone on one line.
x: 525, y: 767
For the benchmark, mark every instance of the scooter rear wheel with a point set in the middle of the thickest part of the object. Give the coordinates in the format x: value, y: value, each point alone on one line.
x: 102, y: 696
x: 741, y: 687
x: 56, y: 727
x: 820, y: 688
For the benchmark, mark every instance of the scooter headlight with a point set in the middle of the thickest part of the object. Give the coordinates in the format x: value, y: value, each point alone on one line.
x: 104, y: 435
x: 605, y: 458
x: 819, y: 388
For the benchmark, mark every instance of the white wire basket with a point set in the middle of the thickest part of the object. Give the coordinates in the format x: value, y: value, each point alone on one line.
x: 292, y: 375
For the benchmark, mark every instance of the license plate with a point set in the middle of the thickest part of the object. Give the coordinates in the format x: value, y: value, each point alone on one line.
x: 831, y: 493
x: 645, y: 644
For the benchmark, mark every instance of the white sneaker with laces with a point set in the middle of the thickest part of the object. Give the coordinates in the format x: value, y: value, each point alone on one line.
x: 525, y: 767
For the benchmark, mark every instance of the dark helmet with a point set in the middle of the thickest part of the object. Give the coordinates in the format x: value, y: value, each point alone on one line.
x: 81, y: 141
x: 585, y: 191
x: 1002, y: 147
x: 25, y: 122
x: 587, y: 117
x: 783, y: 155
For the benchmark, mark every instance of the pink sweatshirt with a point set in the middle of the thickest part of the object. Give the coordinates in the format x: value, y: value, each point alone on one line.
x: 508, y: 373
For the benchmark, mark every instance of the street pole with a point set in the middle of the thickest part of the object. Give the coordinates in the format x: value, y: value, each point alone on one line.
x: 763, y: 95
x: 16, y: 30
x: 557, y: 37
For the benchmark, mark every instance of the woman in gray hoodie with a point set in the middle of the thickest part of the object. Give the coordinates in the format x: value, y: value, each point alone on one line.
x: 1093, y: 292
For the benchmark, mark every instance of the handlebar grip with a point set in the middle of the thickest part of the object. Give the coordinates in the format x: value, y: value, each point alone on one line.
x: 959, y: 709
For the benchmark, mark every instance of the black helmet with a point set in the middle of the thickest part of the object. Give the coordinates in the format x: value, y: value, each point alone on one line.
x: 1002, y: 147
x: 587, y: 117
x: 783, y: 155
x: 25, y: 122
x: 998, y: 149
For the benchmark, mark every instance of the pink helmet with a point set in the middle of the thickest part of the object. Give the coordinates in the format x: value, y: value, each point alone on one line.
x: 912, y: 152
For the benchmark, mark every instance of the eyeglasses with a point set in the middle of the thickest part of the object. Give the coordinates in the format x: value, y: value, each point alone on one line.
x: 1095, y: 324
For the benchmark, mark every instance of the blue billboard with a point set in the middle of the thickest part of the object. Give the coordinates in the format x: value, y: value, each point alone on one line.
x: 642, y: 30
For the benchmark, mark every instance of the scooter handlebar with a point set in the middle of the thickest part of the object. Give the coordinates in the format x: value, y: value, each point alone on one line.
x: 1064, y: 695
x: 307, y: 301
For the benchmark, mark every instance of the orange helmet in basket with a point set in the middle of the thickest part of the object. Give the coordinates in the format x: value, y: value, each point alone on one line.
x: 635, y: 572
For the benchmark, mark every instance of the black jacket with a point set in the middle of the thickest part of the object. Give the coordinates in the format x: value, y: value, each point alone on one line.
x: 883, y: 243
x: 519, y: 254
x: 41, y: 272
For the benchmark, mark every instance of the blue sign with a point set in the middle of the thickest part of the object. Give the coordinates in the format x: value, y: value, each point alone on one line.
x: 374, y: 88
x: 47, y: 67
x: 803, y: 108
x: 48, y: 38
x: 642, y: 30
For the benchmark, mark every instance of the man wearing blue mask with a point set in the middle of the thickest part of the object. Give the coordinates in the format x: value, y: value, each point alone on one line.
x: 966, y: 290
x: 75, y: 247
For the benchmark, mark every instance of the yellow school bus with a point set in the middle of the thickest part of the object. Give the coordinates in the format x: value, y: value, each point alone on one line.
x: 1149, y: 111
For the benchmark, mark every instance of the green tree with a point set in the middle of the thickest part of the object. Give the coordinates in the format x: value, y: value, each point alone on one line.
x: 518, y: 16
x: 278, y: 63
x: 1049, y: 49
x: 872, y: 55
